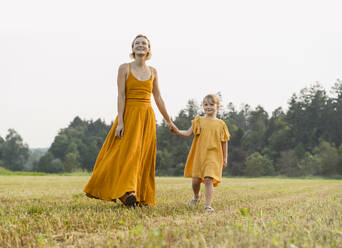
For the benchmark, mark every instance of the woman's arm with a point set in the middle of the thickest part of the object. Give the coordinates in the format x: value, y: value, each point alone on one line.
x: 224, y: 151
x: 160, y: 102
x: 119, y: 131
x: 185, y: 133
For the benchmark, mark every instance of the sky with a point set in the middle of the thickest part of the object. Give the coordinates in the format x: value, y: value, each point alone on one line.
x: 59, y: 59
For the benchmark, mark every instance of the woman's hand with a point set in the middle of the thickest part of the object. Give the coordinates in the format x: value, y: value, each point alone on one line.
x: 224, y: 163
x: 172, y: 127
x: 119, y: 131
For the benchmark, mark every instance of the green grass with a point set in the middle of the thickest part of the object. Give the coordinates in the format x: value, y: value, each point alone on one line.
x: 52, y: 211
x: 4, y: 172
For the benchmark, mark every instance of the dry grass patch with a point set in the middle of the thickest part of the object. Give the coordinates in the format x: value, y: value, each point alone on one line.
x: 52, y: 211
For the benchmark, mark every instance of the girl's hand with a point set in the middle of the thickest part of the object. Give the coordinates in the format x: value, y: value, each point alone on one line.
x: 224, y: 163
x: 119, y: 131
x: 184, y: 133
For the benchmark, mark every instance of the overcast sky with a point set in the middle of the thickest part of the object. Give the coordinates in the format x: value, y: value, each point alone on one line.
x: 59, y: 59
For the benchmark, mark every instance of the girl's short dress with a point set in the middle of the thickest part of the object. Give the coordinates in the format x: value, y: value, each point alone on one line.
x: 205, y: 158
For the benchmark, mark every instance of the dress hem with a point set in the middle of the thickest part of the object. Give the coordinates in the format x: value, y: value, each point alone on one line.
x: 216, y: 181
x: 93, y: 196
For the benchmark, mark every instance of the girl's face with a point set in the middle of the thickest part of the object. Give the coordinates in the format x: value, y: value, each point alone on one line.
x: 210, y: 108
x: 140, y: 47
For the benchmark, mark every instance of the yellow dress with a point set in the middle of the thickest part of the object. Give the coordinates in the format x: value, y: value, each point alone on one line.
x: 205, y: 158
x: 128, y: 164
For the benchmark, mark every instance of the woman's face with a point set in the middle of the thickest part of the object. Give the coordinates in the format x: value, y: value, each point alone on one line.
x: 140, y: 47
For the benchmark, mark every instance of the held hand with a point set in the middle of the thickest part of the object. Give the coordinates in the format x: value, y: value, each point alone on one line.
x: 224, y: 163
x: 176, y: 131
x: 119, y: 131
x: 172, y: 127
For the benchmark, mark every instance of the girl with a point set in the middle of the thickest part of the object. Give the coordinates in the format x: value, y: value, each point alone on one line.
x: 208, y: 153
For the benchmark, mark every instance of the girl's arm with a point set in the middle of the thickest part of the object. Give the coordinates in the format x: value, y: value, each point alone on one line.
x: 224, y: 151
x: 160, y: 102
x: 185, y: 133
x: 119, y: 131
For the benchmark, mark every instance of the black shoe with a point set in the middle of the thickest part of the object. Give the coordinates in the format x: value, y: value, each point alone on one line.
x: 131, y: 200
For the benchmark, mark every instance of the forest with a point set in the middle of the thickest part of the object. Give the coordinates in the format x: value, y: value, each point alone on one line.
x: 304, y: 140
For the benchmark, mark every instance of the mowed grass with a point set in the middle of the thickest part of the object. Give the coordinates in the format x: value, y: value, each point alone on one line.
x: 52, y: 211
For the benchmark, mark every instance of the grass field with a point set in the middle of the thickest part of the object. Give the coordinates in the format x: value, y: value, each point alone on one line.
x: 52, y: 211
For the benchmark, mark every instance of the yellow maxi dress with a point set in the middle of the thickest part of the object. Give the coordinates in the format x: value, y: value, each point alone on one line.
x: 205, y: 158
x: 128, y: 163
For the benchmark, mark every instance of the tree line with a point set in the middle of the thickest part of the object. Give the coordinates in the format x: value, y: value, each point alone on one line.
x: 305, y: 140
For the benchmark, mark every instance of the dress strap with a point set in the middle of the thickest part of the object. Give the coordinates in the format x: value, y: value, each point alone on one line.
x: 151, y: 71
x: 129, y: 65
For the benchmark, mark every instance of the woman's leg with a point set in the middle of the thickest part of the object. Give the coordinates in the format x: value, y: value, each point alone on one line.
x: 196, y: 186
x: 208, y: 181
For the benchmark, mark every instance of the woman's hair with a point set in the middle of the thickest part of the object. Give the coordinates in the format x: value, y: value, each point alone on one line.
x: 213, y: 99
x: 149, y: 54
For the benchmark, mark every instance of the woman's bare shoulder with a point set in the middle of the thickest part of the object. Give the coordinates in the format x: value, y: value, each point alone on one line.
x: 153, y: 69
x: 124, y: 66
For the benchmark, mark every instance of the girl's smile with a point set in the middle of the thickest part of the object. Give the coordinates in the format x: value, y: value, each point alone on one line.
x: 210, y: 108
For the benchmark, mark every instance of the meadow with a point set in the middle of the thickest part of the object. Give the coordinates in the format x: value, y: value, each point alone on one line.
x: 51, y: 211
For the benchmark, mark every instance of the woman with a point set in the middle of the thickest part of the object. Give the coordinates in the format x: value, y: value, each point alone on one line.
x: 125, y: 166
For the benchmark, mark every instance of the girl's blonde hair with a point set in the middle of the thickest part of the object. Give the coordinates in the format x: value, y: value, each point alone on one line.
x: 213, y: 99
x: 149, y: 54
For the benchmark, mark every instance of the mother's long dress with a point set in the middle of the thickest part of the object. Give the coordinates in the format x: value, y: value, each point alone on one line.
x: 128, y: 163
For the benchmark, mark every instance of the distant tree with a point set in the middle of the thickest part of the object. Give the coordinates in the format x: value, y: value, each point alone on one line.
x: 88, y: 152
x: 328, y: 156
x: 14, y: 152
x: 56, y: 166
x: 77, y: 145
x: 49, y: 164
x: 2, y: 141
x: 238, y: 118
x: 236, y: 135
x: 77, y: 122
x: 335, y: 115
x: 278, y: 135
x: 254, y: 138
x: 339, y: 167
x: 72, y: 161
x: 60, y: 145
x: 236, y: 162
x: 165, y: 163
x: 34, y: 156
x: 287, y: 164
x: 258, y: 165
x: 308, y: 115
x: 310, y: 165
x: 92, y: 141
x: 44, y: 164
x: 299, y: 151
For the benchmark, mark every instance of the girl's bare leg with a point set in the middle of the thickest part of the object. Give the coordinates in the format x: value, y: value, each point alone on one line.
x: 208, y: 181
x: 196, y: 186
